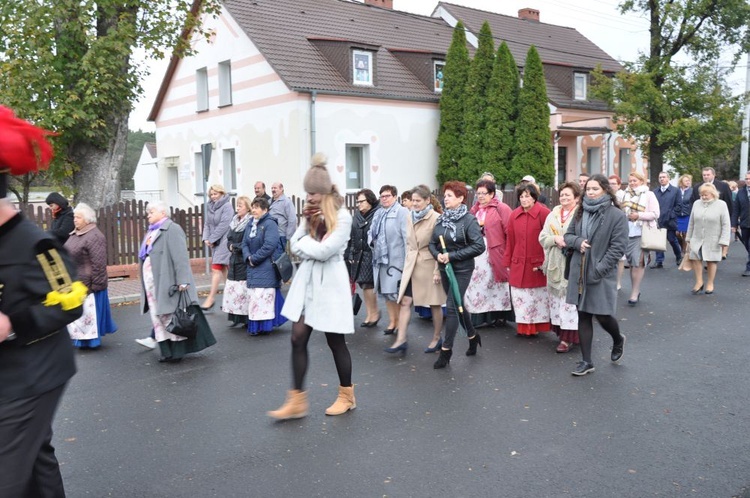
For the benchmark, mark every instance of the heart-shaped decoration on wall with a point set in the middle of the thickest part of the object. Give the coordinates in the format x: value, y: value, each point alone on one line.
x: 375, y: 168
x: 340, y: 168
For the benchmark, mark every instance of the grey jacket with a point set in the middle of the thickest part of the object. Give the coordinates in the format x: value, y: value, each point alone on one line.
x: 171, y: 266
x: 218, y: 218
x: 596, y: 291
x: 282, y: 210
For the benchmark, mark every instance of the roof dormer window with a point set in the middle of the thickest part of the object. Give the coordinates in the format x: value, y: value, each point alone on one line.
x: 362, y: 70
x: 439, y: 69
x: 580, y: 86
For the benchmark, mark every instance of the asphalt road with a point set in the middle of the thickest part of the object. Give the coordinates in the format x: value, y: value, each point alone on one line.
x: 670, y: 420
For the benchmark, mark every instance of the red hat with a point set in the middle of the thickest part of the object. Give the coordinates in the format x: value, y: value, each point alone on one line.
x: 23, y: 147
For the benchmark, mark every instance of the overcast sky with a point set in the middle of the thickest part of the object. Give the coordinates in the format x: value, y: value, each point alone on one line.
x: 621, y: 36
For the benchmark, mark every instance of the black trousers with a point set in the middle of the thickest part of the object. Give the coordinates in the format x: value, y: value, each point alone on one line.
x: 451, y: 315
x: 28, y: 467
x: 745, y: 238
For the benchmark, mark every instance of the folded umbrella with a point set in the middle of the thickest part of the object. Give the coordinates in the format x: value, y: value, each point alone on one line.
x: 455, y: 291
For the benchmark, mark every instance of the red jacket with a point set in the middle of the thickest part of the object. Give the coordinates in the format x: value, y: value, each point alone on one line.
x: 495, y: 232
x: 524, y: 253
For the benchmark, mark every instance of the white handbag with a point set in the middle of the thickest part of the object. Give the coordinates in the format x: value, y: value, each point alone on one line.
x: 653, y: 238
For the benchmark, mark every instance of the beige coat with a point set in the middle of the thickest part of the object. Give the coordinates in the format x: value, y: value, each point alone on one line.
x: 708, y: 230
x: 420, y: 266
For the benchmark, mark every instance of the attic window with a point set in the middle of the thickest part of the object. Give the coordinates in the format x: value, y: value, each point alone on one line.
x: 580, y: 83
x: 362, y: 70
x: 201, y: 90
x: 439, y: 69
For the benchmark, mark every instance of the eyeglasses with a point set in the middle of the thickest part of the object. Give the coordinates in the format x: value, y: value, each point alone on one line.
x: 483, y: 193
x: 385, y: 196
x: 363, y: 200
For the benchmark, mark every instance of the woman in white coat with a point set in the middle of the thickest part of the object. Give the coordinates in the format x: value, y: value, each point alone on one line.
x: 708, y: 236
x: 320, y: 296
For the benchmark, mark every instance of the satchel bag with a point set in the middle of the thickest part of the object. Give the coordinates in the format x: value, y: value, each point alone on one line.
x: 568, y: 252
x: 283, y: 267
x: 652, y: 238
x: 183, y: 321
x: 356, y: 303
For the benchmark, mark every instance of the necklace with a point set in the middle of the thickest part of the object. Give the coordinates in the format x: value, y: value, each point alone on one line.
x: 564, y: 215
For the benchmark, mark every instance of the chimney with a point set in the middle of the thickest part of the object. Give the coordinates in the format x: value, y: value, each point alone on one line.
x: 528, y: 14
x: 385, y: 4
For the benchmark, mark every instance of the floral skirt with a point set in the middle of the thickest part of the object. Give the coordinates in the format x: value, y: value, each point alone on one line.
x: 562, y: 314
x: 158, y: 322
x: 236, y: 299
x: 532, y: 310
x: 264, y: 313
x: 484, y: 294
x: 95, y: 322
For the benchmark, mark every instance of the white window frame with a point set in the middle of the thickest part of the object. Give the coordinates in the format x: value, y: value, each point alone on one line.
x: 437, y: 86
x: 357, y: 73
x: 201, y: 89
x: 225, y: 83
x: 229, y: 163
x: 582, y: 80
x: 362, y: 172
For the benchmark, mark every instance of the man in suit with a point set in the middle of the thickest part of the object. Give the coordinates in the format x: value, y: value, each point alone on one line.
x: 668, y: 197
x: 709, y: 176
x: 38, y: 298
x: 741, y: 219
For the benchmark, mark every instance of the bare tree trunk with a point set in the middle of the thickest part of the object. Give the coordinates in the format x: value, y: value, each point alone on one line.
x: 655, y: 159
x: 97, y: 182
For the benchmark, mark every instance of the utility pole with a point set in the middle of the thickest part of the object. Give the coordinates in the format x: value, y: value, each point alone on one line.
x: 745, y: 124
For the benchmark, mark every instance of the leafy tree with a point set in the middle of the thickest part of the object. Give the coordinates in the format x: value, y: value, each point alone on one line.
x: 502, y: 111
x: 66, y: 65
x: 533, y: 154
x: 476, y: 107
x: 136, y: 141
x: 449, y: 138
x: 666, y: 108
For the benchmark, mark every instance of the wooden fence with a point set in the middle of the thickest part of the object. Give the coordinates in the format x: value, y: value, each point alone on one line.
x: 124, y: 224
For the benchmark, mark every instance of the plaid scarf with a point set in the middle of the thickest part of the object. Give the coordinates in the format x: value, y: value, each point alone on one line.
x: 634, y: 200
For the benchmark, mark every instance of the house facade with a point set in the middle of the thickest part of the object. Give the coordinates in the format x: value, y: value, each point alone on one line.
x: 277, y: 81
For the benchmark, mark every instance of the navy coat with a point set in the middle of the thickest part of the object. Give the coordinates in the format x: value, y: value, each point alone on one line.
x: 741, y: 211
x: 668, y: 205
x: 259, y: 251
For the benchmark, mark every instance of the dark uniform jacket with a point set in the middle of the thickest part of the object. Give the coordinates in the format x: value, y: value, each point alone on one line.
x: 41, y: 357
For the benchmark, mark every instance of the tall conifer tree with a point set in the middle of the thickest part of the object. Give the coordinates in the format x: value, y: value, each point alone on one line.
x: 533, y: 153
x: 476, y: 107
x: 455, y: 74
x: 502, y: 111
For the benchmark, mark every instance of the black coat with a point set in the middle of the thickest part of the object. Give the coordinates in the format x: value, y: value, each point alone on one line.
x: 62, y: 224
x: 468, y: 245
x: 237, y: 269
x: 725, y: 193
x: 41, y: 357
x: 685, y: 202
x: 358, y: 254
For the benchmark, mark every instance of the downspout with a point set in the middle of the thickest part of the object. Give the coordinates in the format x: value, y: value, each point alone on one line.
x: 313, y: 97
x: 610, y: 167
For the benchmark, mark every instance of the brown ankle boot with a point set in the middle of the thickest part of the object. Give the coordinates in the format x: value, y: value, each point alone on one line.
x: 295, y: 406
x: 344, y: 402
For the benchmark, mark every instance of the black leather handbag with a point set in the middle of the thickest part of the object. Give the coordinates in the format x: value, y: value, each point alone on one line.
x: 283, y: 267
x: 183, y: 321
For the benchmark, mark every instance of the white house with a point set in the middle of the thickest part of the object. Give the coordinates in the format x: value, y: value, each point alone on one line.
x: 146, y: 176
x: 279, y: 80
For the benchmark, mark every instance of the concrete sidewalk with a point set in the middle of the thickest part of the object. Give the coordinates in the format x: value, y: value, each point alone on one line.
x: 125, y: 290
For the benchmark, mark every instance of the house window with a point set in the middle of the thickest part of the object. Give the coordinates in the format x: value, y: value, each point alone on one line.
x: 594, y: 160
x: 357, y: 157
x: 225, y: 83
x: 579, y: 86
x: 362, y: 68
x: 230, y: 170
x: 624, y: 164
x: 562, y: 164
x: 201, y: 89
x: 439, y: 68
